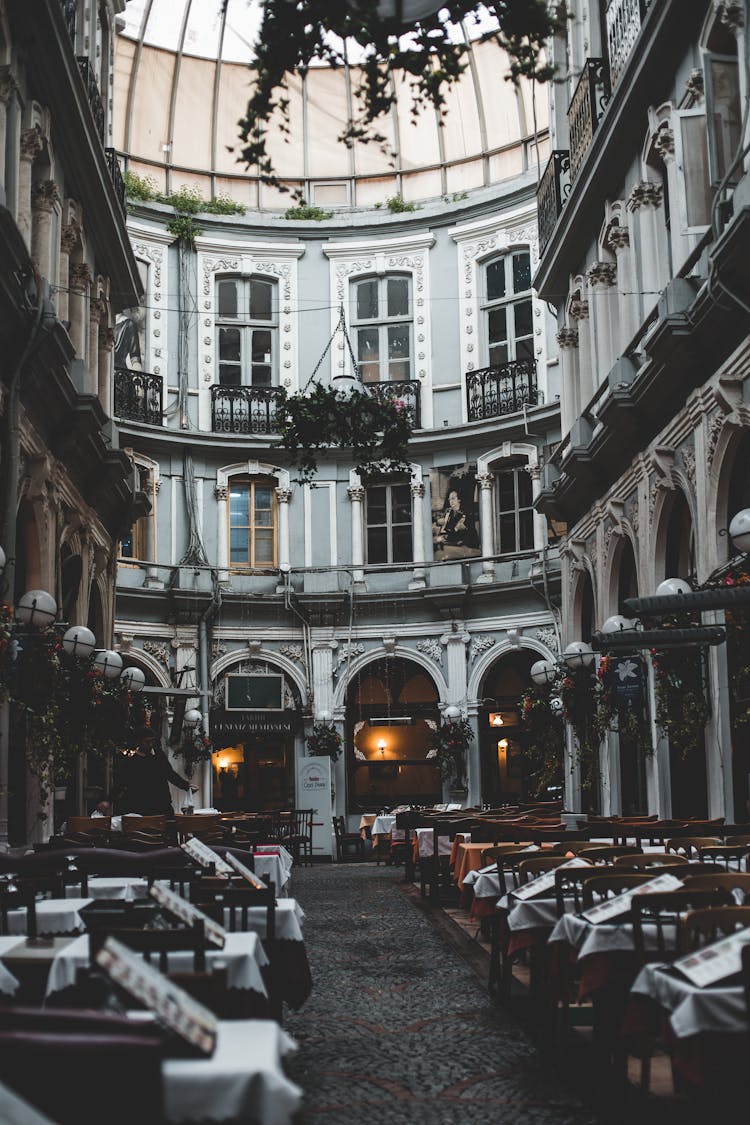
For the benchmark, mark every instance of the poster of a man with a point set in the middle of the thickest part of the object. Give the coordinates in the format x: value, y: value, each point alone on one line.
x: 455, y: 524
x: 130, y: 332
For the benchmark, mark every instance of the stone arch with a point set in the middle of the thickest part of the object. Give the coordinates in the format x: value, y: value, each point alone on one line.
x: 584, y: 603
x: 678, y: 494
x: 402, y: 653
x: 237, y: 656
x: 148, y: 664
x: 485, y: 662
x: 724, y: 459
x: 625, y: 550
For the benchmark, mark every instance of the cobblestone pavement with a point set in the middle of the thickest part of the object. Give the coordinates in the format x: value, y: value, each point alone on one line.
x: 398, y: 1028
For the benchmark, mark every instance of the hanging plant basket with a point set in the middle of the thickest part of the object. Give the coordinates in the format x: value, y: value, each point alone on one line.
x: 449, y: 744
x: 324, y: 742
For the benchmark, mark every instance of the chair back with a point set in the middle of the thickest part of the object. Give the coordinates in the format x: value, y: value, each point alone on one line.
x: 156, y: 942
x: 132, y: 823
x: 204, y: 826
x: 661, y: 913
x: 599, y: 887
x: 604, y: 854
x: 528, y: 869
x: 650, y: 859
x: 704, y: 927
x: 490, y: 855
x: 738, y: 882
x: 15, y: 897
x: 509, y: 871
x: 95, y: 825
x: 732, y: 857
x: 569, y: 884
x: 690, y: 845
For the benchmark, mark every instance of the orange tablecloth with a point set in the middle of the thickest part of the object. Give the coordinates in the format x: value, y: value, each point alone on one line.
x: 466, y: 857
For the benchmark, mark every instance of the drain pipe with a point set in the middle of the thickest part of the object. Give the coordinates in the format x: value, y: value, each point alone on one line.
x: 205, y: 689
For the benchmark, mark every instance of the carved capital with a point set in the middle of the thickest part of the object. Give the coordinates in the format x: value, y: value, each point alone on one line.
x: 44, y: 195
x: 664, y: 141
x: 485, y: 481
x: 283, y: 495
x: 602, y: 273
x: 69, y: 238
x: 567, y: 338
x: 356, y: 495
x: 579, y: 310
x: 618, y: 237
x: 645, y: 194
x: 32, y: 143
x: 80, y: 276
x: 106, y: 337
x: 695, y: 84
x: 98, y: 310
x: 418, y: 490
x: 8, y: 84
x: 221, y: 492
x: 731, y: 13
x: 534, y: 471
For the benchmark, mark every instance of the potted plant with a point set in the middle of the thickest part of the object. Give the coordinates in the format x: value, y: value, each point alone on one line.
x: 324, y: 741
x: 448, y: 744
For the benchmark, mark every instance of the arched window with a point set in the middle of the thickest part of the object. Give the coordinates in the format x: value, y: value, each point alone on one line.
x: 506, y: 308
x: 247, y: 326
x: 252, y: 523
x: 382, y: 327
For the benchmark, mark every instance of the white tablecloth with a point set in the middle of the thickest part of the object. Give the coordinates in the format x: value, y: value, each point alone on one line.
x: 289, y: 916
x: 694, y: 1010
x: 532, y: 913
x: 607, y: 937
x: 124, y: 888
x: 382, y: 825
x: 243, y: 956
x: 53, y: 916
x: 242, y: 1080
x: 276, y: 868
x: 425, y: 837
x: 8, y: 983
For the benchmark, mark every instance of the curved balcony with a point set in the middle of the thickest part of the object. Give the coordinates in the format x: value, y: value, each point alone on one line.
x: 494, y: 391
x: 244, y: 410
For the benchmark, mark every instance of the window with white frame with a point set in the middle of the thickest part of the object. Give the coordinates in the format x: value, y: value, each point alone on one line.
x: 515, y: 514
x: 724, y: 113
x: 252, y: 523
x: 382, y: 327
x: 506, y: 308
x: 247, y: 331
x: 139, y: 544
x: 389, y: 522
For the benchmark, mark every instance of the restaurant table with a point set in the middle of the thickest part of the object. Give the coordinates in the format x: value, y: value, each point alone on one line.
x: 294, y: 970
x: 704, y: 1029
x: 127, y: 888
x: 243, y: 955
x: 242, y: 1081
x: 53, y: 916
x: 275, y: 864
x: 28, y: 961
x: 424, y: 844
x: 8, y: 982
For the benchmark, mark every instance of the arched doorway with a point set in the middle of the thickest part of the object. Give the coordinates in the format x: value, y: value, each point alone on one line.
x: 255, y: 716
x: 738, y: 648
x: 631, y: 716
x: 391, y: 705
x: 513, y: 768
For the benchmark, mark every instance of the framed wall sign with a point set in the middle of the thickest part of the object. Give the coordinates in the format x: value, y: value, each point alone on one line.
x: 245, y: 691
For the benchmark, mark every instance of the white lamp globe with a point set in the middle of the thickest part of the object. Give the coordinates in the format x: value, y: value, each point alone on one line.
x: 36, y: 608
x: 325, y: 717
x: 191, y: 718
x: 556, y: 705
x: 671, y: 586
x: 133, y: 679
x: 108, y: 663
x: 739, y: 531
x: 79, y: 641
x: 578, y: 655
x: 452, y: 713
x: 617, y: 624
x: 542, y: 672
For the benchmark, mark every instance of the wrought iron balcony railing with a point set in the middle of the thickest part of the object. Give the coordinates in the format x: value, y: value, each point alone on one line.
x: 406, y: 391
x: 585, y: 110
x: 70, y: 12
x: 92, y: 89
x: 553, y: 190
x: 138, y: 396
x: 494, y: 391
x: 113, y: 165
x: 624, y: 19
x: 244, y: 410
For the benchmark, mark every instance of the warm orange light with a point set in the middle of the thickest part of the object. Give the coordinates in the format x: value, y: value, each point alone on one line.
x: 382, y: 744
x: 497, y: 720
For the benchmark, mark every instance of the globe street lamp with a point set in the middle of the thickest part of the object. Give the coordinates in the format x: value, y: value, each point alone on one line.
x: 543, y: 672
x: 133, y: 679
x: 577, y: 655
x: 36, y: 608
x: 79, y: 641
x: 739, y: 531
x: 108, y: 664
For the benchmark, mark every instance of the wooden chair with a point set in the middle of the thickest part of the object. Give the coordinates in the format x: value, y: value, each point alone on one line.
x: 650, y: 859
x: 690, y: 846
x: 509, y: 869
x: 599, y: 887
x: 153, y: 942
x: 605, y: 854
x: 528, y: 869
x: 734, y: 881
x: 206, y: 827
x: 732, y: 857
x: 490, y: 855
x: 132, y: 823
x: 705, y: 926
x: 663, y: 912
x: 299, y: 836
x: 345, y: 839
x: 209, y: 989
x: 569, y: 885
x: 737, y: 840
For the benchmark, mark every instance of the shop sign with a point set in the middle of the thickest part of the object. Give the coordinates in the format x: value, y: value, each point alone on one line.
x: 627, y: 678
x: 235, y: 724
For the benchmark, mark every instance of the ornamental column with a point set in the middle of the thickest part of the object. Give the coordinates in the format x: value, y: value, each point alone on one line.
x: 283, y: 496
x: 32, y: 143
x: 322, y: 675
x: 97, y: 319
x: 455, y: 647
x: 578, y: 311
x: 44, y: 196
x: 486, y: 483
x: 221, y: 492
x: 663, y: 143
x: 540, y: 520
x: 8, y: 87
x: 69, y: 239
x: 106, y: 344
x: 618, y: 241
x: 184, y: 644
x: 80, y: 279
x: 567, y: 341
x: 601, y: 277
x: 418, y: 576
x: 357, y: 495
x: 645, y: 202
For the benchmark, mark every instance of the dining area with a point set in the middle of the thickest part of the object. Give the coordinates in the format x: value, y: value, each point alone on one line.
x: 165, y: 958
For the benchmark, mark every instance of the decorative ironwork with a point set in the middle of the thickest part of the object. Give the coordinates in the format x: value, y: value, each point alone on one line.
x: 585, y: 110
x: 92, y: 90
x: 406, y: 391
x: 243, y: 410
x: 553, y: 190
x: 70, y: 12
x: 502, y: 390
x: 113, y: 164
x: 138, y: 396
x: 624, y: 19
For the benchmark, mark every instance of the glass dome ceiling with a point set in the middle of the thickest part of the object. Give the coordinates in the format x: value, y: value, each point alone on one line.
x: 182, y: 84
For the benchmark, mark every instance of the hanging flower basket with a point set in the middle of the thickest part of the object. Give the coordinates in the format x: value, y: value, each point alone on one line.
x: 195, y: 747
x: 375, y: 432
x: 448, y: 744
x: 543, y: 742
x: 324, y: 742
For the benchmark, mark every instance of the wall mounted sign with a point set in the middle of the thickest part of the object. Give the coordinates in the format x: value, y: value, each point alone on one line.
x: 627, y: 680
x: 250, y: 691
x: 234, y: 725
